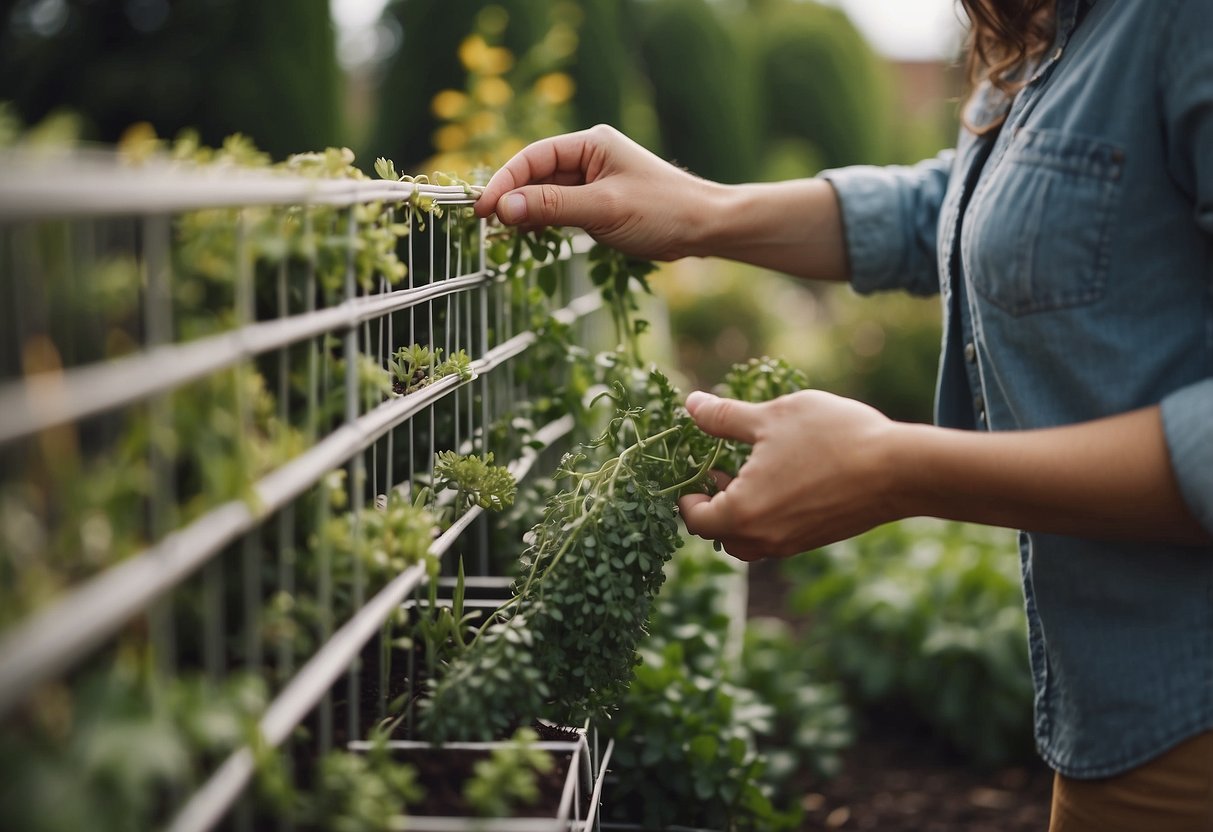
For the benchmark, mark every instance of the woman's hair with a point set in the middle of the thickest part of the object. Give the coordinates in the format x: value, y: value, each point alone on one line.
x: 1005, y: 36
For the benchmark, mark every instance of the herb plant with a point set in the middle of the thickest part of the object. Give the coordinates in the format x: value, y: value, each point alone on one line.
x: 508, y: 779
x: 475, y: 480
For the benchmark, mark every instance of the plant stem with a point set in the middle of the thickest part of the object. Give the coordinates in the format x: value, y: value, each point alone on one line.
x: 699, y: 474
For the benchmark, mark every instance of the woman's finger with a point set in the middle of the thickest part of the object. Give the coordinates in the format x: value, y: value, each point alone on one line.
x: 574, y: 157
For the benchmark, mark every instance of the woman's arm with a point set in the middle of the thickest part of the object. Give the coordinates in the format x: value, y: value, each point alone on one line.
x: 824, y: 468
x: 623, y: 195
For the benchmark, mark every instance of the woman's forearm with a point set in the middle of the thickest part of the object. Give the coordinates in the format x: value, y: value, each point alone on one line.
x: 1106, y: 479
x: 793, y: 227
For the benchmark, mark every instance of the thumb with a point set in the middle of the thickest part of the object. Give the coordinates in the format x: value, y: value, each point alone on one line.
x: 725, y: 418
x: 549, y: 204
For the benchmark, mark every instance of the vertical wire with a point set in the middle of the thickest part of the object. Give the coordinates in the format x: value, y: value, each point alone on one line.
x: 368, y: 403
x: 355, y: 472
x: 429, y: 337
x: 158, y: 329
x: 250, y: 544
x: 482, y: 251
x: 250, y: 548
x: 389, y: 481
x: 318, y: 389
x: 449, y: 311
x: 284, y: 659
x: 413, y: 224
x: 485, y: 385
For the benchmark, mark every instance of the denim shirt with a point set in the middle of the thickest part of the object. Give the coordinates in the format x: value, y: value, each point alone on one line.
x: 1073, y: 253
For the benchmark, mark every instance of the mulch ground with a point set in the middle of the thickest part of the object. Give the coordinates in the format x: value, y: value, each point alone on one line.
x: 894, y: 780
x: 898, y: 778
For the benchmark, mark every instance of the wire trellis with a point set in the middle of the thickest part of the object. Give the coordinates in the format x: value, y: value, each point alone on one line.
x: 191, y: 393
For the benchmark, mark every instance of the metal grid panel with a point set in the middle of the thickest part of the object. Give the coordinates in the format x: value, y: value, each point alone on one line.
x: 286, y: 353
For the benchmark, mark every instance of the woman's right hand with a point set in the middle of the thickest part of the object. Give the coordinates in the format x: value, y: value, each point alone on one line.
x: 605, y: 183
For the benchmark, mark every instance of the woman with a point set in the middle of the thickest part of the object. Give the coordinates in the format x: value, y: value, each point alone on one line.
x: 1070, y: 236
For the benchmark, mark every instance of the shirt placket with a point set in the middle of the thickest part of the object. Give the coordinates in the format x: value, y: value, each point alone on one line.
x: 1021, y: 106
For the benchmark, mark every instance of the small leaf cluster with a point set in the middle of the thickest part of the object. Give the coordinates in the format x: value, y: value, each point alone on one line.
x: 416, y: 366
x: 442, y: 630
x: 690, y: 753
x: 358, y: 792
x: 617, y: 276
x: 508, y: 779
x: 720, y: 701
x: 384, y: 540
x: 756, y: 380
x: 490, y: 689
x: 475, y: 480
x: 602, y: 568
x: 762, y: 379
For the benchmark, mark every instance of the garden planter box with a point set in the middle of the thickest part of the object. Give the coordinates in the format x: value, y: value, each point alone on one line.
x: 569, y: 794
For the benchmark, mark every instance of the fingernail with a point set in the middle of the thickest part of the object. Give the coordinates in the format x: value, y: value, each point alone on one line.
x: 512, y: 209
x: 696, y: 399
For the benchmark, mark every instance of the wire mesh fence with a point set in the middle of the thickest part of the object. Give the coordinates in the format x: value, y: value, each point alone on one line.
x: 220, y: 395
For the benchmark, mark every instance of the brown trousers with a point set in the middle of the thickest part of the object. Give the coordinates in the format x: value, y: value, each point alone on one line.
x: 1173, y: 793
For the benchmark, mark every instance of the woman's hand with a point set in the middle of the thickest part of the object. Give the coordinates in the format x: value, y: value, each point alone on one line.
x: 816, y: 474
x: 824, y: 468
x: 603, y: 182
x: 624, y: 196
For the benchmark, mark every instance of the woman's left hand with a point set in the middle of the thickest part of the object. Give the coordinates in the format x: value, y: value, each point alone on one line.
x: 816, y: 475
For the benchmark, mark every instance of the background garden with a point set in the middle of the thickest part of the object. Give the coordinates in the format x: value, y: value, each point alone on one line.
x: 880, y: 683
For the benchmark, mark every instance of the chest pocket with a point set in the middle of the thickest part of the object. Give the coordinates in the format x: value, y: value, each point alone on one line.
x: 1036, y: 237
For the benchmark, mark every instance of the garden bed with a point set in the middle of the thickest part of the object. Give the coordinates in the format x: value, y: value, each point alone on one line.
x: 567, y: 793
x: 901, y: 777
x: 897, y: 779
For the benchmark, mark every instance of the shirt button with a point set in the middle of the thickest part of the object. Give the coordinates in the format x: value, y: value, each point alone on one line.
x: 970, y: 352
x: 979, y: 405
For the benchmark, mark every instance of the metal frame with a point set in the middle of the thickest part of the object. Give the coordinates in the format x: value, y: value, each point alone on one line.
x: 56, y: 639
x: 568, y: 818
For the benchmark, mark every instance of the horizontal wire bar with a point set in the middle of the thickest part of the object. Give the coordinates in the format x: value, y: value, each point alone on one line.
x: 209, y: 803
x: 46, y: 186
x: 414, y: 823
x: 51, y: 639
x: 42, y: 400
x: 422, y: 745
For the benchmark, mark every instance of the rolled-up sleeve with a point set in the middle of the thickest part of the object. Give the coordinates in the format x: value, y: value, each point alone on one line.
x: 890, y: 218
x: 1187, y: 102
x: 1187, y: 418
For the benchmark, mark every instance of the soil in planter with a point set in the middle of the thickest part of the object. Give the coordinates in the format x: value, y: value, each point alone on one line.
x: 443, y: 772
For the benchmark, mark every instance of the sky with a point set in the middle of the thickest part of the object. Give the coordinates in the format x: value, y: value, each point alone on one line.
x: 907, y: 29
x: 901, y: 29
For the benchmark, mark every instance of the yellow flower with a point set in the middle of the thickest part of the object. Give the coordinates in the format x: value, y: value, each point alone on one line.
x: 485, y: 121
x: 450, y: 138
x: 555, y: 88
x: 449, y: 104
x: 496, y: 60
x: 138, y: 142
x: 472, y: 52
x: 492, y: 92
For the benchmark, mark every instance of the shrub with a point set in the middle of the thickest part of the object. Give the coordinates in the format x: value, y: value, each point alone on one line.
x: 927, y: 614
